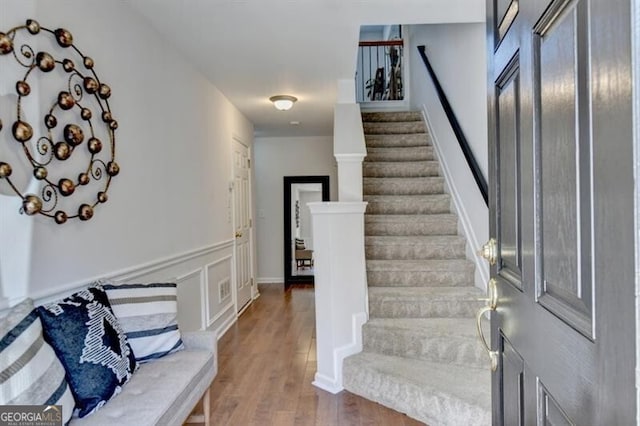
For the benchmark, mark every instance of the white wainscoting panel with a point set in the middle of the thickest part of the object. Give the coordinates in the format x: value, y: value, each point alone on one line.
x: 219, y: 273
x: 197, y: 274
x: 191, y: 294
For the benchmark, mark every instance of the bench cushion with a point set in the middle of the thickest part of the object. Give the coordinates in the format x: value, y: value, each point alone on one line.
x: 162, y: 392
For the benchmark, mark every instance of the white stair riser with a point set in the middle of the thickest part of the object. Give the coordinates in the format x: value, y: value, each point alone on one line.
x: 399, y: 154
x: 407, y: 169
x: 416, y: 251
x: 410, y: 140
x: 394, y: 127
x: 408, y: 207
x: 402, y: 308
x: 463, y: 350
x: 419, y: 278
x: 399, y: 229
x: 391, y: 116
x: 422, y: 186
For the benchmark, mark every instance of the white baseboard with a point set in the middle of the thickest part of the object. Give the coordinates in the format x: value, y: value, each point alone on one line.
x: 326, y: 383
x: 226, y: 325
x: 482, y: 268
x: 269, y: 280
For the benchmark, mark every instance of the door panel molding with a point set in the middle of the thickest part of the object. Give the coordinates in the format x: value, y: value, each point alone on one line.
x: 549, y: 412
x: 509, y: 230
x: 564, y: 145
x: 512, y: 378
x: 507, y: 12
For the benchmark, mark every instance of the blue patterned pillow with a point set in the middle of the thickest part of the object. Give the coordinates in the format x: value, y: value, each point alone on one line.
x: 91, y: 345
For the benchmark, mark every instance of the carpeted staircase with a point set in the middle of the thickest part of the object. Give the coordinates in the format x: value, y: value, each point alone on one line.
x: 421, y: 353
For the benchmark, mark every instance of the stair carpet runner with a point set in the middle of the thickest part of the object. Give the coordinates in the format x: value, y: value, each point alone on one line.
x: 421, y: 355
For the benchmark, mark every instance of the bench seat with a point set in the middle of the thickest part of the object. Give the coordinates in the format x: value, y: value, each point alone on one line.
x: 164, y: 391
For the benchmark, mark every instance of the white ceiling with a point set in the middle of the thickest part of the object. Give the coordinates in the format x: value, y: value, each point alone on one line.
x: 253, y: 49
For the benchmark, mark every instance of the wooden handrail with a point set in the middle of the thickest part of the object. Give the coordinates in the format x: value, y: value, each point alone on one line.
x: 382, y: 43
x: 455, y: 125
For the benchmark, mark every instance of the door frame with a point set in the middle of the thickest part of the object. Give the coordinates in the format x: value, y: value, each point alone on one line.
x: 232, y: 193
x: 635, y: 63
x: 287, y: 182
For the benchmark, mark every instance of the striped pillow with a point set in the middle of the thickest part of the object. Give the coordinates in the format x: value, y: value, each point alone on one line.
x: 148, y: 314
x: 30, y: 372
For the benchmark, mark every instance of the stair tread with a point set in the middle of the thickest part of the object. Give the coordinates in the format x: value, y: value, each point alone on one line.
x: 380, y: 116
x: 432, y: 293
x: 453, y: 341
x: 420, y: 265
x: 400, y: 163
x: 397, y: 140
x: 413, y: 239
x: 372, y: 180
x: 403, y: 218
x: 448, y: 394
x: 403, y: 153
x: 447, y: 327
x: 393, y: 127
x: 392, y: 149
x: 399, y: 149
x: 394, y: 197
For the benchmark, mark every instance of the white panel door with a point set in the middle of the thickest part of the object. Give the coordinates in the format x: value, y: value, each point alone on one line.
x: 242, y: 223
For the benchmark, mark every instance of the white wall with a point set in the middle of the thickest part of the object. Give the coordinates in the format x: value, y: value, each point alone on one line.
x: 457, y: 54
x: 275, y: 158
x: 173, y: 146
x: 14, y: 248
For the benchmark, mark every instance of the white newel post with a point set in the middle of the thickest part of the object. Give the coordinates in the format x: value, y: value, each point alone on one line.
x: 349, y: 149
x: 340, y: 287
x: 338, y: 233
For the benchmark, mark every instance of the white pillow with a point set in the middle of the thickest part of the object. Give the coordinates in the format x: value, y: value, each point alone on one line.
x: 30, y: 371
x: 148, y: 315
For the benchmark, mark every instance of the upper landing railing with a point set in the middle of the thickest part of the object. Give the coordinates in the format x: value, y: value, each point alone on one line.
x: 379, y: 72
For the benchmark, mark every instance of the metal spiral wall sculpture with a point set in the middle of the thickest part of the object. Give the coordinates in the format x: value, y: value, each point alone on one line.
x: 78, y: 124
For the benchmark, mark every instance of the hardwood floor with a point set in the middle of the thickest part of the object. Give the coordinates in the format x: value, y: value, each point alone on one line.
x: 266, y: 365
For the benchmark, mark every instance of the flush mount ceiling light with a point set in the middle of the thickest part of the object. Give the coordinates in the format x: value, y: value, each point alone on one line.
x: 283, y: 102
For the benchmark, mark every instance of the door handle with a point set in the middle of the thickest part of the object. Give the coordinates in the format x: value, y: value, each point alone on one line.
x: 238, y: 234
x: 492, y: 304
x: 489, y: 251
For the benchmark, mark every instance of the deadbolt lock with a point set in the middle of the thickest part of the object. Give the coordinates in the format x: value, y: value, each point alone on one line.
x: 489, y: 251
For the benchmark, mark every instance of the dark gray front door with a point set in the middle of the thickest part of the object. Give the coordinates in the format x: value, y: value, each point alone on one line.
x: 561, y: 202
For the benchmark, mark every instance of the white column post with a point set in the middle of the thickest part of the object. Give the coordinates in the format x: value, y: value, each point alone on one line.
x: 340, y: 287
x: 348, y: 143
